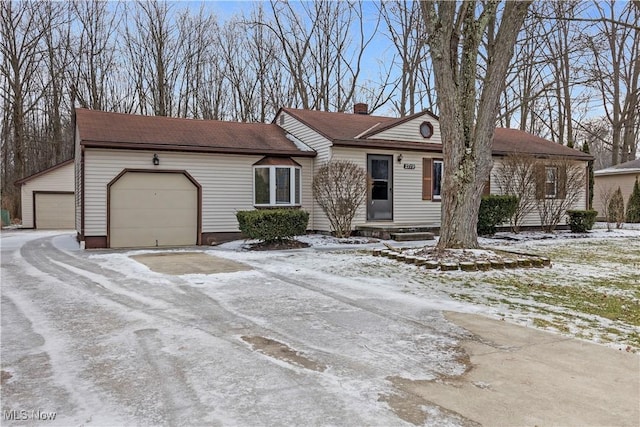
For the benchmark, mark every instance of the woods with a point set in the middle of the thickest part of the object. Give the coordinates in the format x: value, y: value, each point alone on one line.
x: 573, y: 77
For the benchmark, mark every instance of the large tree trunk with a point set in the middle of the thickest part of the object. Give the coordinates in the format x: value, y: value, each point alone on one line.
x: 467, y: 122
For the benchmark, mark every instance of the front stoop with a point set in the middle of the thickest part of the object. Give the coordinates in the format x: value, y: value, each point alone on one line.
x: 399, y: 232
x: 412, y: 237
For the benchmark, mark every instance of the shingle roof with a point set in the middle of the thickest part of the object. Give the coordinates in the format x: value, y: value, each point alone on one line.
x: 115, y: 130
x: 343, y: 128
x: 507, y: 141
x: 626, y: 167
x: 339, y: 125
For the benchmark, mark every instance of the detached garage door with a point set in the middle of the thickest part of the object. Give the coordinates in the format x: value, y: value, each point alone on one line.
x: 153, y: 209
x: 55, y: 211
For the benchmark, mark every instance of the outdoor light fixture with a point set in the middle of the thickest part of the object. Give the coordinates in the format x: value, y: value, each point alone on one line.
x: 399, y: 158
x: 156, y: 160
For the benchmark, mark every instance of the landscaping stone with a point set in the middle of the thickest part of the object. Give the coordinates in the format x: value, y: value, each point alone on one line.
x: 497, y: 264
x: 448, y: 266
x: 483, y: 265
x: 510, y: 263
x: 524, y: 262
x: 468, y: 266
x: 431, y: 265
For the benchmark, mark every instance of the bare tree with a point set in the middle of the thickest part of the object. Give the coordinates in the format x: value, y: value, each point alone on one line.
x: 340, y: 188
x: 559, y: 183
x: 605, y: 195
x: 516, y: 175
x: 615, y: 72
x: 454, y: 34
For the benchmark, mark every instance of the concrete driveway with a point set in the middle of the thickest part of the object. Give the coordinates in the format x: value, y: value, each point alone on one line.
x: 98, y: 338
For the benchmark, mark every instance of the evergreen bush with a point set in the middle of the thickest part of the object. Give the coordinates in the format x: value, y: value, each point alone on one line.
x: 494, y: 210
x: 616, y: 208
x: 581, y: 221
x: 633, y: 205
x: 273, y: 225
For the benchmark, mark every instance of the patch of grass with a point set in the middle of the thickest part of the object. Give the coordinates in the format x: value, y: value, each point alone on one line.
x: 542, y: 323
x: 574, y: 297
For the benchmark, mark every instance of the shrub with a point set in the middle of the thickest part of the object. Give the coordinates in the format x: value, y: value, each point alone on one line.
x: 633, y: 205
x: 581, y: 221
x: 271, y: 225
x: 494, y: 210
x: 340, y: 188
x: 616, y: 208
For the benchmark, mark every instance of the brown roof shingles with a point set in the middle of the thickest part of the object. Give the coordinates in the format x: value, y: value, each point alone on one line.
x: 507, y: 141
x: 115, y: 130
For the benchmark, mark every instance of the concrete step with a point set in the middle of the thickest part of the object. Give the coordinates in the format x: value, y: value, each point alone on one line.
x: 411, y: 237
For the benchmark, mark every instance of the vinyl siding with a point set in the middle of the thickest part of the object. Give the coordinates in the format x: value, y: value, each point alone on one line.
x: 226, y: 180
x: 318, y: 220
x: 410, y: 131
x: 532, y: 218
x: 60, y: 179
x: 611, y: 183
x: 408, y: 206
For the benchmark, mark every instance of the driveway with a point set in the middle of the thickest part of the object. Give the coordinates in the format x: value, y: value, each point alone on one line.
x: 98, y: 338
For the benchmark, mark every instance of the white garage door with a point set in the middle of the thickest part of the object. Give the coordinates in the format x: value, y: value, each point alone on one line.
x: 55, y: 211
x: 153, y: 209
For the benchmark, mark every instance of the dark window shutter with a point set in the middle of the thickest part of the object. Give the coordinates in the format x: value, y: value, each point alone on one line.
x: 427, y: 168
x: 562, y: 182
x: 541, y: 177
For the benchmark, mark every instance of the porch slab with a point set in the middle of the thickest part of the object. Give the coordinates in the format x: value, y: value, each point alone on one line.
x: 385, y: 231
x: 412, y: 237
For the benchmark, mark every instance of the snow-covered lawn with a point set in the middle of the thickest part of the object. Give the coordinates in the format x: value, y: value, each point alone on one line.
x: 591, y: 292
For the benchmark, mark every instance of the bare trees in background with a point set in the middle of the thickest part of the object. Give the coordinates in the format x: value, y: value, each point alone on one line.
x: 170, y: 58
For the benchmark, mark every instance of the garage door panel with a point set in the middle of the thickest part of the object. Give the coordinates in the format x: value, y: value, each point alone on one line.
x: 153, y: 209
x: 55, y: 211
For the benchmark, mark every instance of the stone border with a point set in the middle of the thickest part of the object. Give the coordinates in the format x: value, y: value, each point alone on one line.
x: 523, y: 261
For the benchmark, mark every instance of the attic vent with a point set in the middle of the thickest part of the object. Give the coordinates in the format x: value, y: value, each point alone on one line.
x: 282, y: 119
x: 360, y: 108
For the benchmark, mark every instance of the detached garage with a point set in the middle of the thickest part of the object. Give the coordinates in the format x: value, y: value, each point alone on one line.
x: 48, y: 199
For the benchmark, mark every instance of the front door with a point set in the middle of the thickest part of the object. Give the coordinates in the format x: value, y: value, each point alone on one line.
x: 380, y: 201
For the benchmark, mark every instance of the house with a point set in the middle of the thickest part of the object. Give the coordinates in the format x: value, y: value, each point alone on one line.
x: 608, y: 180
x: 158, y: 181
x: 47, y: 198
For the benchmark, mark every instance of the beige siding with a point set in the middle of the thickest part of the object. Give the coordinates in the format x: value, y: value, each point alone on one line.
x: 533, y: 217
x: 410, y: 131
x: 408, y: 206
x: 610, y: 183
x: 226, y: 180
x: 60, y: 179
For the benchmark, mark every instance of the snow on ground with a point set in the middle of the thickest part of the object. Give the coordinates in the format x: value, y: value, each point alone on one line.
x: 105, y: 340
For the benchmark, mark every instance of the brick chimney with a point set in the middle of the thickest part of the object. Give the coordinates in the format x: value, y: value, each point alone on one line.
x: 360, y: 108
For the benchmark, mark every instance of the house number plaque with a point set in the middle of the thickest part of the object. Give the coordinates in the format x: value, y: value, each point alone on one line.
x: 409, y: 165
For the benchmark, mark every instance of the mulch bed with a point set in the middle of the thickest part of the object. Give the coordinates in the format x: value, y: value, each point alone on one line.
x: 278, y: 245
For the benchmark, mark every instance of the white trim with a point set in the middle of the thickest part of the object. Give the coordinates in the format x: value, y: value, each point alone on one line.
x: 272, y: 186
x: 605, y: 172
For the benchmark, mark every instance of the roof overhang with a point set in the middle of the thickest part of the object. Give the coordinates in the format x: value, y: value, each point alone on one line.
x: 606, y: 172
x: 388, y: 145
x: 195, y: 149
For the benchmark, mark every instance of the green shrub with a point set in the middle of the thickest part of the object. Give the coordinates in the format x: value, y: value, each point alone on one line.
x: 494, y: 210
x: 633, y: 205
x: 616, y: 208
x: 581, y: 221
x: 270, y: 225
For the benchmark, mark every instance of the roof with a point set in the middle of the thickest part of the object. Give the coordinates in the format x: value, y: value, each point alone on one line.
x: 345, y: 129
x: 43, y: 172
x: 508, y: 141
x: 127, y: 131
x: 632, y: 166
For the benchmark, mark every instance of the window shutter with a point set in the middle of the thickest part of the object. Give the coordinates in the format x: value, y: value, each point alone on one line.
x: 427, y: 168
x: 540, y: 177
x: 562, y: 182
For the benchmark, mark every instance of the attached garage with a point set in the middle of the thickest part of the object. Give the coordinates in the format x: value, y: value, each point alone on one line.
x: 54, y: 211
x: 48, y: 198
x: 150, y: 209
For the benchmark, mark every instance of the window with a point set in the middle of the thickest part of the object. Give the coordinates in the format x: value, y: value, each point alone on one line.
x: 276, y: 185
x: 426, y: 130
x: 432, y: 179
x: 437, y: 179
x: 551, y: 182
